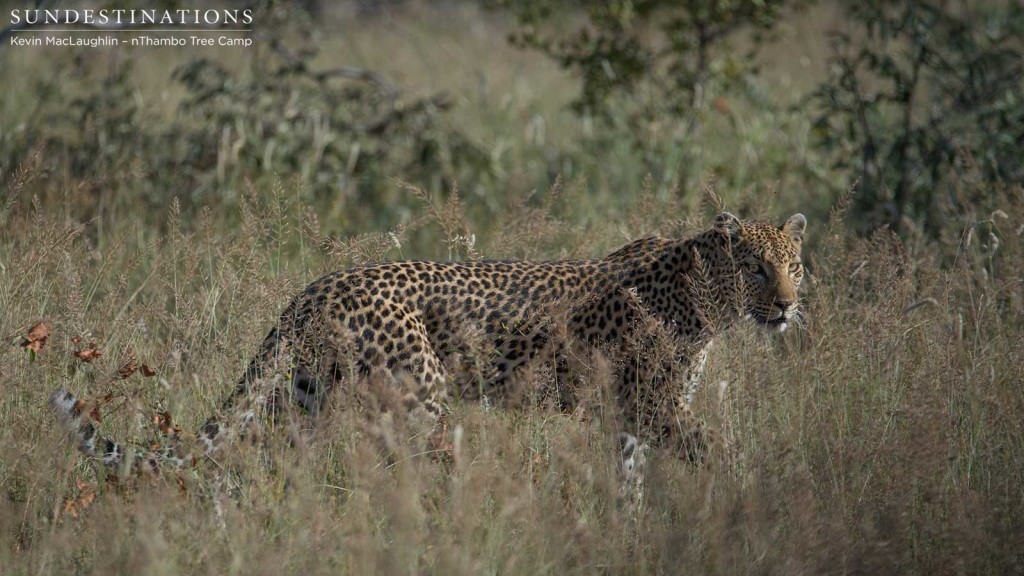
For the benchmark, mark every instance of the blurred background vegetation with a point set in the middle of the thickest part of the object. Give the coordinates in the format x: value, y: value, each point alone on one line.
x: 794, y: 101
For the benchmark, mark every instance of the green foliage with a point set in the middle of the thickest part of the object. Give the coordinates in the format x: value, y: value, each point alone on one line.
x: 649, y: 68
x: 662, y: 46
x: 287, y: 118
x: 342, y: 131
x: 920, y: 91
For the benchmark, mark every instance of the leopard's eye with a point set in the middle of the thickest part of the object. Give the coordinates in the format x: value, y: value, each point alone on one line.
x: 794, y: 267
x: 756, y: 268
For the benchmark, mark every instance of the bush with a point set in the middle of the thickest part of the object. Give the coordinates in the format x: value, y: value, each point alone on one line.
x: 343, y: 132
x: 921, y: 92
x: 650, y: 69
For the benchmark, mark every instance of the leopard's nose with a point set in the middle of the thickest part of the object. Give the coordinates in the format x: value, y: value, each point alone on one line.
x: 785, y: 305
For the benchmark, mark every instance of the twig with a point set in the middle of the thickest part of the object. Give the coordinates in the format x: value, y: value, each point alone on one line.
x: 387, y: 89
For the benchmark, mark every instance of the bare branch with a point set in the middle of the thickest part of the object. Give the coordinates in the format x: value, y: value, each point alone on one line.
x: 387, y: 89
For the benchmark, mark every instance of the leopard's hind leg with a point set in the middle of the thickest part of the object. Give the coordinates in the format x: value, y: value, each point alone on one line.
x: 277, y: 376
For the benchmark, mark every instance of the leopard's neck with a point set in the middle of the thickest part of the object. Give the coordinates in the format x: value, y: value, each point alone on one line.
x: 687, y: 283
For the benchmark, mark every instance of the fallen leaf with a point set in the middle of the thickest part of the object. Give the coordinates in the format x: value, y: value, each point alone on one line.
x: 86, y: 499
x: 89, y: 407
x: 129, y: 366
x: 165, y: 423
x: 147, y: 371
x: 36, y: 337
x: 86, y: 494
x: 88, y: 354
x: 181, y: 485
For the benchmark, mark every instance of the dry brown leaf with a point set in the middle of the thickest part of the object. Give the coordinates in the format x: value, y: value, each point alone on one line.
x: 147, y: 371
x: 181, y: 485
x: 92, y: 408
x: 86, y: 499
x: 39, y: 331
x: 88, y: 354
x: 129, y: 366
x: 76, y: 505
x: 36, y: 337
x: 165, y: 423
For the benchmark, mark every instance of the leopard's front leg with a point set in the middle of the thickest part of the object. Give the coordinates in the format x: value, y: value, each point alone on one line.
x: 655, y: 397
x: 683, y: 435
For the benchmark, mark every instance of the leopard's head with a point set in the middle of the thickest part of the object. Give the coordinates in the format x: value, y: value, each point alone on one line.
x: 766, y: 260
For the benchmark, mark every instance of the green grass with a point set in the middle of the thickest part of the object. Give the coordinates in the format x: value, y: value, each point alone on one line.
x: 880, y: 438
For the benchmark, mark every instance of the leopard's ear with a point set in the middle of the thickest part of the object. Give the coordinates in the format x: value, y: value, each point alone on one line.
x: 794, y: 228
x: 727, y: 223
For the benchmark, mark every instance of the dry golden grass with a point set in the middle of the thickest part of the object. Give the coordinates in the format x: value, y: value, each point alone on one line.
x: 884, y: 435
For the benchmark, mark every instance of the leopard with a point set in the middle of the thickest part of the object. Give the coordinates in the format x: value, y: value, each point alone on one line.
x: 404, y: 321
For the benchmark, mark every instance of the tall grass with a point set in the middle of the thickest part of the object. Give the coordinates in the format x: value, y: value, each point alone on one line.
x: 883, y: 436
